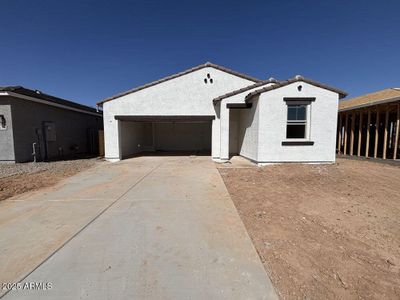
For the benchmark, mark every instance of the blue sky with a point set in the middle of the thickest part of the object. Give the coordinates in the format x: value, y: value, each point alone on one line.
x: 90, y: 49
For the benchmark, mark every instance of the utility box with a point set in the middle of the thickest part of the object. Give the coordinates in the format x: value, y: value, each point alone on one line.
x: 50, y: 131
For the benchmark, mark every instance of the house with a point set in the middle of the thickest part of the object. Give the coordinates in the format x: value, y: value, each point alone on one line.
x: 216, y: 110
x: 37, y: 126
x: 369, y: 125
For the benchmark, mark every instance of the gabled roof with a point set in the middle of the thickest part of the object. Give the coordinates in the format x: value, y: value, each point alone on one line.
x: 244, y: 89
x: 379, y: 97
x: 207, y: 64
x: 298, y: 78
x: 48, y: 98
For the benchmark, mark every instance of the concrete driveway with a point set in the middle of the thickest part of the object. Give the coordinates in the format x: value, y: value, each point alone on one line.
x: 143, y: 228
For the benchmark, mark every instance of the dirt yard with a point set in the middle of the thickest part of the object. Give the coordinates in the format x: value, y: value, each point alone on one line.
x: 20, y: 178
x: 323, y: 231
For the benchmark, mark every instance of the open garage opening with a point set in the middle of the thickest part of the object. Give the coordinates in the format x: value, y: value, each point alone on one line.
x: 165, y: 136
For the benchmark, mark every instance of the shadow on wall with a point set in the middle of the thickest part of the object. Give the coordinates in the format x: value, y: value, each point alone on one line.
x: 241, y: 129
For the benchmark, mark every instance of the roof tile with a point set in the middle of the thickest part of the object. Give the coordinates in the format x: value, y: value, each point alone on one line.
x: 298, y: 78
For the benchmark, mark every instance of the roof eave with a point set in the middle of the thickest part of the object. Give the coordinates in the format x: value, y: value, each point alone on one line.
x: 13, y: 93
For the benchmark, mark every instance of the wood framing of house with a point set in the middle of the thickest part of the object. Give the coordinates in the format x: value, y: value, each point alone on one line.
x: 371, y: 125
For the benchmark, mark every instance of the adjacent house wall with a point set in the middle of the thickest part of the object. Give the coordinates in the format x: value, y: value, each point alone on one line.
x: 6, y: 135
x: 71, y: 129
x: 184, y: 95
x: 273, y: 119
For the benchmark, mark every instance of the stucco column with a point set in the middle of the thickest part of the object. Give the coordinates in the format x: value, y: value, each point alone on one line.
x: 224, y: 138
x: 112, y: 138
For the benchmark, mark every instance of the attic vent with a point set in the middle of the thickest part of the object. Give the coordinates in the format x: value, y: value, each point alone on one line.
x: 3, y: 123
x: 208, y: 79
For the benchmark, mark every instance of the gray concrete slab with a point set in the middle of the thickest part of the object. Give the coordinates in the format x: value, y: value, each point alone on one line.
x: 173, y: 234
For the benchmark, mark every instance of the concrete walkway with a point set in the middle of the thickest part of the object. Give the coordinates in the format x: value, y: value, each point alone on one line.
x: 144, y: 228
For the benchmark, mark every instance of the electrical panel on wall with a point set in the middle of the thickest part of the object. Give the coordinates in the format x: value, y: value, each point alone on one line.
x: 50, y: 131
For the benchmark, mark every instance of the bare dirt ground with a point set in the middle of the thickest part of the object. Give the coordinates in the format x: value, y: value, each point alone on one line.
x: 20, y: 178
x: 323, y: 231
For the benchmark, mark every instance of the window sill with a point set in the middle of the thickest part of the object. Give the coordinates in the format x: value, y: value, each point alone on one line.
x: 297, y: 143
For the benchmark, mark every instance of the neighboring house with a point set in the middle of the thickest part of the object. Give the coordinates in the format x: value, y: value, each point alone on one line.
x: 32, y: 122
x: 213, y: 109
x: 369, y: 125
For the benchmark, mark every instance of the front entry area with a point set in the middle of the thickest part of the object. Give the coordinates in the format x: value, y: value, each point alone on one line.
x: 190, y: 134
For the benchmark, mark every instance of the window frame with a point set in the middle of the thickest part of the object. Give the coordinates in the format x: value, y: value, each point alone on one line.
x: 304, y: 101
x: 302, y: 122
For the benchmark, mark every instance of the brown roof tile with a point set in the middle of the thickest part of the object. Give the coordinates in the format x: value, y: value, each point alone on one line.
x: 379, y: 97
x: 244, y: 89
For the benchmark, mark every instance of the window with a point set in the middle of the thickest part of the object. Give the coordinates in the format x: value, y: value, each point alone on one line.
x: 296, y: 121
x: 3, y: 124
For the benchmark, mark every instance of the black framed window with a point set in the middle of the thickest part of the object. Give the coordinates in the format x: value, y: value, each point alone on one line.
x: 296, y: 127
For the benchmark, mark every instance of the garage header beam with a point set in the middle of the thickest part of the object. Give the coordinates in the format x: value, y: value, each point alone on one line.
x: 165, y: 118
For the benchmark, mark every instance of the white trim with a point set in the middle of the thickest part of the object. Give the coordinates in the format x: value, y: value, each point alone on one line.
x: 12, y: 94
x: 306, y: 122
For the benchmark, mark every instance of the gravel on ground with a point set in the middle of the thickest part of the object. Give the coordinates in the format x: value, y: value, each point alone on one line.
x: 23, y: 177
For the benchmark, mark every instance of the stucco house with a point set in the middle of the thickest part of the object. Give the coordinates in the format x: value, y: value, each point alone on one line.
x: 213, y: 109
x: 38, y: 126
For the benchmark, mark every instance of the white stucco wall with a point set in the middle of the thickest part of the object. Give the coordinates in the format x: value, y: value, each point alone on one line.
x: 244, y: 122
x: 248, y: 132
x: 184, y: 95
x: 256, y: 133
x: 273, y: 119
